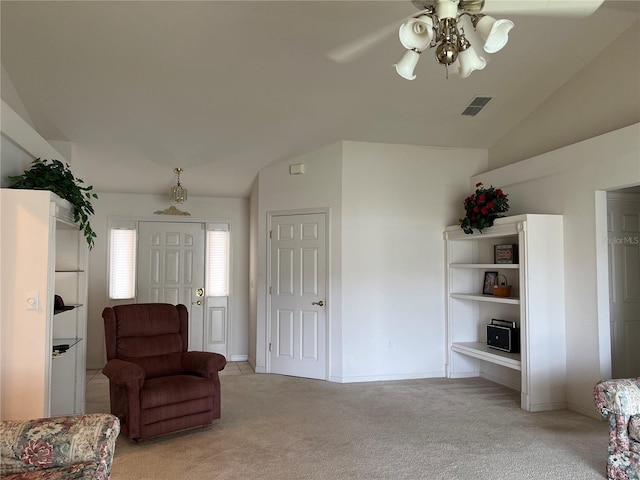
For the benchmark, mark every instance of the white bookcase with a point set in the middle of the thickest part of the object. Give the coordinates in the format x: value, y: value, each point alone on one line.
x: 43, y: 254
x: 536, y: 303
x: 69, y: 327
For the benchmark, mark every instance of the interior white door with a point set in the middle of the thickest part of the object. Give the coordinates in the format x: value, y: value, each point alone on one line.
x: 297, y: 341
x: 624, y: 283
x: 171, y: 269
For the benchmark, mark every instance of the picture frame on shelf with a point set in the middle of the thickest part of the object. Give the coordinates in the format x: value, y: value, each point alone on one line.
x: 505, y: 254
x: 489, y: 282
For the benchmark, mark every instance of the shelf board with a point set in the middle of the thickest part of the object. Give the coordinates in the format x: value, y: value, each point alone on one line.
x: 66, y: 224
x: 64, y: 270
x: 502, y: 227
x: 70, y: 341
x: 483, y: 352
x: 486, y: 298
x: 74, y: 305
x: 62, y: 341
x: 493, y: 266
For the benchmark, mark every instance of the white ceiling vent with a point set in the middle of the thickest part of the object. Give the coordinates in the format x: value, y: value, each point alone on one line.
x: 477, y: 104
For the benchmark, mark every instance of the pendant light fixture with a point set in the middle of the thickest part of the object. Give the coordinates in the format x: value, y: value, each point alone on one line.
x: 178, y: 194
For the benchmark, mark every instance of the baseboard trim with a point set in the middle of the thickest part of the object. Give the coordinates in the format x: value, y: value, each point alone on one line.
x: 382, y: 378
x: 587, y: 412
x: 464, y: 375
x: 500, y: 381
x: 95, y: 366
x: 548, y: 407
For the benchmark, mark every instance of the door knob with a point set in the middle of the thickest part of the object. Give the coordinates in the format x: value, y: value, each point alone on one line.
x: 199, y: 302
x: 320, y: 303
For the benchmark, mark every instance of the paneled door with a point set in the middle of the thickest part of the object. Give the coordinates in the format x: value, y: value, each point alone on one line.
x: 624, y: 283
x: 297, y: 342
x: 171, y: 259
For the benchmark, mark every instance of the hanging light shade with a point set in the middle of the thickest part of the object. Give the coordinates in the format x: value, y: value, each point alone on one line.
x: 468, y: 58
x: 178, y: 194
x: 407, y: 64
x: 494, y: 32
x: 417, y: 33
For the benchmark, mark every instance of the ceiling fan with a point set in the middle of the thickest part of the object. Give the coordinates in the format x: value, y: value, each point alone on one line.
x: 448, y: 25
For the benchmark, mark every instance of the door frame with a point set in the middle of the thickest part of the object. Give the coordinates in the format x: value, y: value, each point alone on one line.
x: 622, y: 194
x: 113, y: 220
x: 327, y: 217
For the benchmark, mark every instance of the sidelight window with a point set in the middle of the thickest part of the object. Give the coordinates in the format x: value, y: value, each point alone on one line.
x: 217, y: 255
x: 122, y: 263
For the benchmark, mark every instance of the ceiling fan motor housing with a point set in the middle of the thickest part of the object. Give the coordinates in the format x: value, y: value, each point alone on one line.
x: 471, y: 6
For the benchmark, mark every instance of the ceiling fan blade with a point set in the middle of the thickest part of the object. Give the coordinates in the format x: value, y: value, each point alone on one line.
x: 351, y: 50
x: 571, y: 8
x: 568, y: 8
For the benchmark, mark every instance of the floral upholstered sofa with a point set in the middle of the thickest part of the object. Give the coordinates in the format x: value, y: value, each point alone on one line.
x: 619, y: 401
x: 78, y: 447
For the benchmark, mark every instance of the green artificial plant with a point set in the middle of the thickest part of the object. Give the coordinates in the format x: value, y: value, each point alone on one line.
x: 56, y: 177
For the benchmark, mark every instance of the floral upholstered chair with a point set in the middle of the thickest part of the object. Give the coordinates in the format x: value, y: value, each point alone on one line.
x: 78, y: 447
x: 619, y: 402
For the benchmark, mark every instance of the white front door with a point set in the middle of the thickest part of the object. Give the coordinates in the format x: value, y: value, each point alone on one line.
x: 624, y: 283
x: 298, y: 329
x: 171, y: 259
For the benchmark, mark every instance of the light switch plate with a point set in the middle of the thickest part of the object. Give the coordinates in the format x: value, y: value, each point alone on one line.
x: 33, y: 301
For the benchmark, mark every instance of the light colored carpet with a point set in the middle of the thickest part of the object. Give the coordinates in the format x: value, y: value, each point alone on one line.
x: 277, y: 427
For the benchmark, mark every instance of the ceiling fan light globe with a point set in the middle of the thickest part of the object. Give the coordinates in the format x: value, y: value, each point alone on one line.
x: 416, y: 34
x: 407, y: 64
x: 494, y: 32
x: 469, y: 61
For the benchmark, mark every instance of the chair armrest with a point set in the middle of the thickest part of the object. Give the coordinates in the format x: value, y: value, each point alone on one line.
x: 203, y: 363
x: 86, y: 441
x: 618, y: 396
x: 122, y: 372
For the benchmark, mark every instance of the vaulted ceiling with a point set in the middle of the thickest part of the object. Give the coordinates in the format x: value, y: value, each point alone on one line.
x: 224, y: 88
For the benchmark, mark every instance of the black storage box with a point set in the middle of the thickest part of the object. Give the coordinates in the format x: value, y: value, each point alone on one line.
x: 503, y: 335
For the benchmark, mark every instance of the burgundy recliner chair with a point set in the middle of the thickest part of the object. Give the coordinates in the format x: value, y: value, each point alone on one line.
x: 155, y: 385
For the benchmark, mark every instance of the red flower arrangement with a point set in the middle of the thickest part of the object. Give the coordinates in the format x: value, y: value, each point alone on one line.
x: 483, y: 207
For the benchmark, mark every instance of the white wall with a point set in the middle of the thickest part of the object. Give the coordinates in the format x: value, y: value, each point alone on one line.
x: 141, y: 207
x: 20, y: 144
x: 14, y: 161
x: 277, y: 191
x: 388, y: 207
x: 396, y: 202
x: 571, y: 181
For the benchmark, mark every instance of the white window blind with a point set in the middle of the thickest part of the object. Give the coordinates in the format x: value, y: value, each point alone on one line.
x: 217, y: 284
x: 122, y: 264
